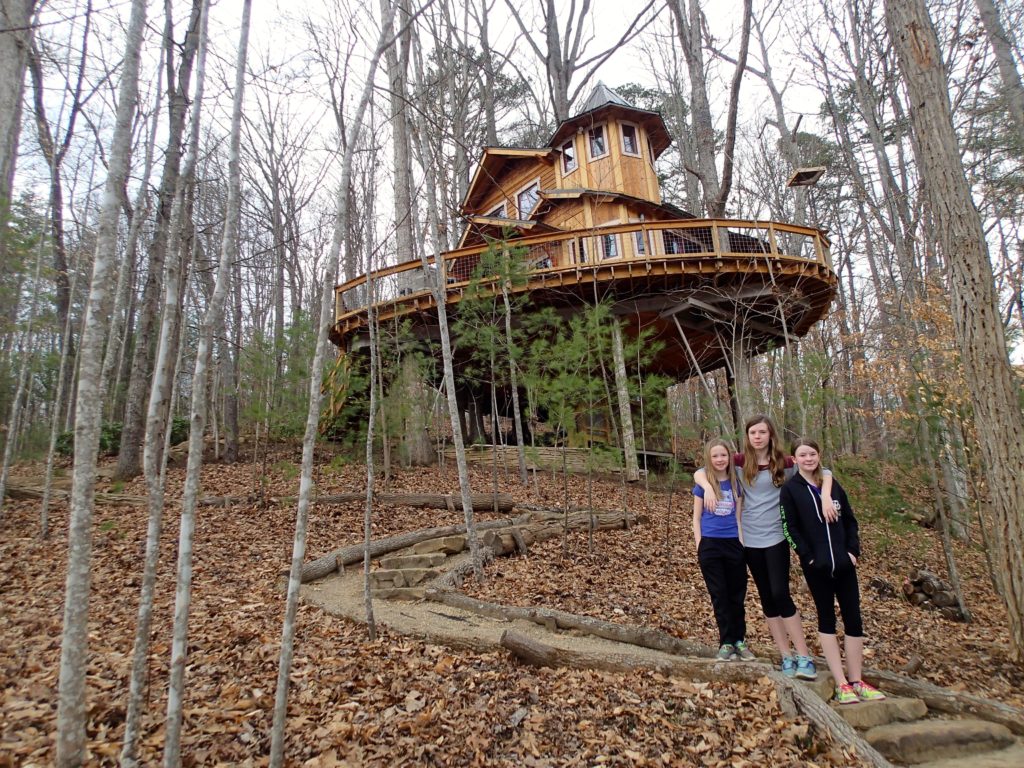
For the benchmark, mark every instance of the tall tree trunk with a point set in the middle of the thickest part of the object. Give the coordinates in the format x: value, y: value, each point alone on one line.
x: 71, y: 709
x: 1002, y: 47
x: 197, y: 422
x: 326, y: 319
x: 129, y: 452
x: 15, y: 43
x: 631, y: 468
x: 995, y: 392
x: 158, y: 417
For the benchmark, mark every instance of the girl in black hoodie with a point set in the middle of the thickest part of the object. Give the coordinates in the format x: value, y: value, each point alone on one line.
x: 828, y: 555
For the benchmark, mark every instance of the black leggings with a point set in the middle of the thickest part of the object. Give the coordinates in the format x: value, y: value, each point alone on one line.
x: 721, y: 564
x: 769, y: 568
x: 826, y: 589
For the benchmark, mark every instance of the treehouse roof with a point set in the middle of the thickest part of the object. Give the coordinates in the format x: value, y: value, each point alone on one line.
x: 604, y: 103
x: 493, y: 164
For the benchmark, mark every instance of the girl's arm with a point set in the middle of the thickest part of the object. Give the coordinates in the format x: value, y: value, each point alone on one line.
x: 700, y: 477
x: 698, y: 508
x: 828, y: 508
x: 850, y: 526
x: 790, y: 526
x: 739, y: 515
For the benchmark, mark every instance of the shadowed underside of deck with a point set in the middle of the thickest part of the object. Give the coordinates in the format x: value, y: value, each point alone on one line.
x: 701, y: 308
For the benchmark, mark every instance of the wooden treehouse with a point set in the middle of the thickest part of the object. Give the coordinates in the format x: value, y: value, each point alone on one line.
x: 588, y: 211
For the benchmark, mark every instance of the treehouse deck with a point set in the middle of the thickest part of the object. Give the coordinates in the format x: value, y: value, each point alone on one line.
x: 707, y: 289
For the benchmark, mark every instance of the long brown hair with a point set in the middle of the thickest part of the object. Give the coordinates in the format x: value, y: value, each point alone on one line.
x: 802, y: 441
x: 776, y: 458
x: 730, y: 470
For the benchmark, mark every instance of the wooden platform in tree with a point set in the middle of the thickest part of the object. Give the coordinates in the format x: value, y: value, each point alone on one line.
x: 701, y: 286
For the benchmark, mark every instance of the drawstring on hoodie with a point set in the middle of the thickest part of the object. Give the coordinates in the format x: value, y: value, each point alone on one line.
x: 818, y: 510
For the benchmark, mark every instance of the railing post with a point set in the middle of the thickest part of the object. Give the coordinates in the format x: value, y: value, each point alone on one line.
x: 771, y: 239
x: 714, y: 238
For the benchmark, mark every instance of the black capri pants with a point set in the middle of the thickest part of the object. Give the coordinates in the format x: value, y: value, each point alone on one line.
x: 826, y: 590
x: 769, y: 568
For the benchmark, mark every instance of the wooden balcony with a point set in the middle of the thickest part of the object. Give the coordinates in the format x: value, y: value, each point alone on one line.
x: 706, y: 288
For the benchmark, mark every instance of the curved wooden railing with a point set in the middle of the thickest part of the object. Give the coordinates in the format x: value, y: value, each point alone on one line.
x: 552, y: 253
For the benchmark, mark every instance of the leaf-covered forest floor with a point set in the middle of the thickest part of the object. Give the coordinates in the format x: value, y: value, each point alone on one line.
x: 399, y: 701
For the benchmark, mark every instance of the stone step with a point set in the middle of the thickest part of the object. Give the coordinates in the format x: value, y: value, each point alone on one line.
x: 1012, y: 757
x: 449, y: 545
x: 870, y: 714
x: 927, y: 740
x: 401, y: 577
x: 395, y: 562
x: 399, y: 593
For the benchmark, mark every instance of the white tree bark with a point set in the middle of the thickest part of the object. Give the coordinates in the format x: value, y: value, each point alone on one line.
x: 15, y: 42
x: 315, y: 398
x: 197, y: 426
x: 158, y: 414
x: 428, y: 162
x: 1002, y: 47
x: 994, y: 389
x: 632, y: 467
x: 71, y: 710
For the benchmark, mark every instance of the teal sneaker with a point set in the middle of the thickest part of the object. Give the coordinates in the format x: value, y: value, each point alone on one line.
x: 727, y: 652
x: 744, y: 652
x: 805, y: 668
x: 789, y: 666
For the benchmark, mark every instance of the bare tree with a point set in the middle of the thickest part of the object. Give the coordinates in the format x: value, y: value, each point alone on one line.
x: 995, y: 392
x: 564, y: 51
x: 691, y: 26
x: 999, y: 39
x: 16, y: 34
x: 71, y: 710
x: 198, y: 416
x: 326, y: 317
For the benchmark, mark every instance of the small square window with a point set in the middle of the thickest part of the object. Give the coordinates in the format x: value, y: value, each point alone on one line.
x: 569, y: 163
x: 630, y: 141
x: 596, y: 141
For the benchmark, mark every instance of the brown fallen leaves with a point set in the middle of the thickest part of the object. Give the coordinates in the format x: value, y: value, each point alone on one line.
x: 398, y: 701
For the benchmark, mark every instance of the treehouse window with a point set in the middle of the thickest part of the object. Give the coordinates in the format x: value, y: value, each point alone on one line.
x: 528, y: 198
x: 630, y: 140
x: 650, y: 151
x: 577, y: 251
x: 497, y: 213
x: 639, y: 243
x: 569, y: 163
x: 596, y: 142
x: 609, y: 246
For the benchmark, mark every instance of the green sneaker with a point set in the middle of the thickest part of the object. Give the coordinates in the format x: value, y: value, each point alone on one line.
x: 744, y: 652
x: 727, y: 652
x: 789, y: 666
x: 846, y: 695
x: 805, y: 668
x: 866, y: 692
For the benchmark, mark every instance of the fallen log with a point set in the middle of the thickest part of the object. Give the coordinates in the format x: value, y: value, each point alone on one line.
x: 951, y: 702
x: 482, y: 502
x: 329, y: 563
x: 555, y: 619
x: 817, y: 710
x: 22, y: 492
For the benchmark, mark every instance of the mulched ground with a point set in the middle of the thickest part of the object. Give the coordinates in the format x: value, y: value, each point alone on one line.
x: 401, y: 702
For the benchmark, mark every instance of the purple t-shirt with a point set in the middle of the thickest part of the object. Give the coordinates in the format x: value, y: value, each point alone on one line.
x: 720, y: 524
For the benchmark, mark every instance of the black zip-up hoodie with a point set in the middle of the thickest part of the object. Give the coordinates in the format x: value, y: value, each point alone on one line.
x: 819, y: 545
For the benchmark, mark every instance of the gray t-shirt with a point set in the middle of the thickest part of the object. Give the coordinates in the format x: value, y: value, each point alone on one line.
x: 762, y: 521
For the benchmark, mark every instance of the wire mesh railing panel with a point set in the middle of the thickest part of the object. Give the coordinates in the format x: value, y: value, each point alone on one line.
x: 755, y: 240
x: 690, y: 240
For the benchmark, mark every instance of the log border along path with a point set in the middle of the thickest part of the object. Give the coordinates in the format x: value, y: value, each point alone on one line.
x: 438, y: 613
